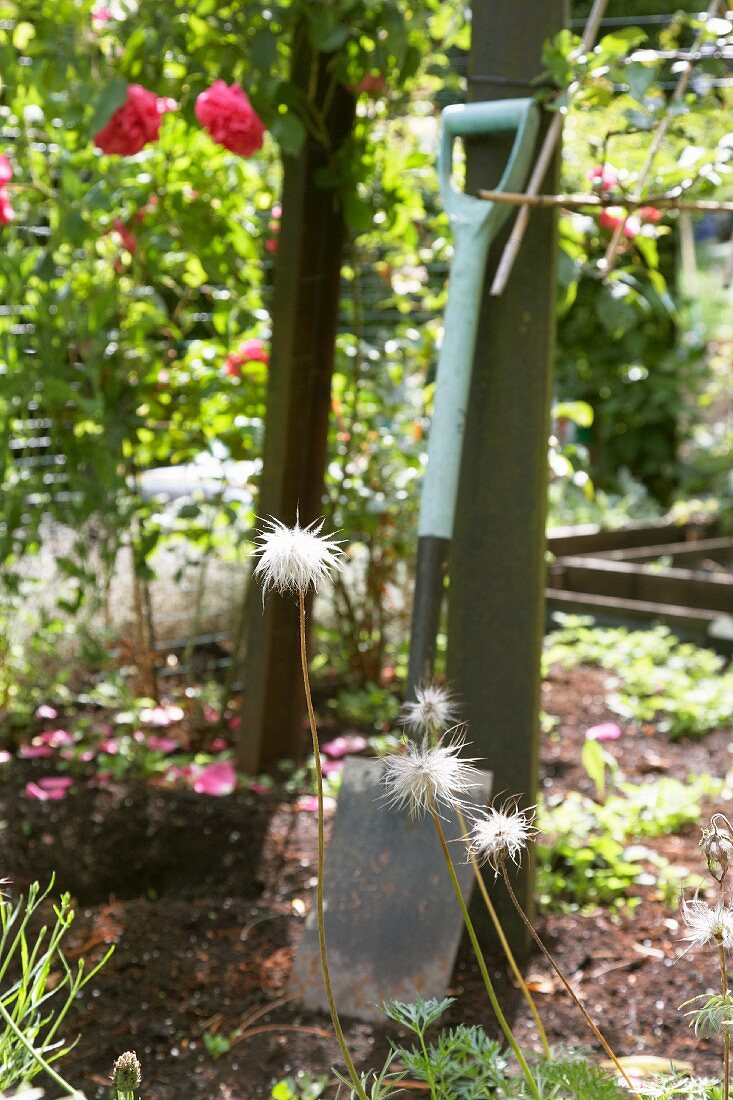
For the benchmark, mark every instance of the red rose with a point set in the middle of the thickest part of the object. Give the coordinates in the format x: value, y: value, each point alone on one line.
x: 6, y: 171
x: 250, y: 351
x: 650, y: 214
x: 602, y: 178
x: 372, y: 84
x: 7, y: 214
x: 134, y: 124
x: 614, y: 216
x: 124, y: 237
x: 227, y: 114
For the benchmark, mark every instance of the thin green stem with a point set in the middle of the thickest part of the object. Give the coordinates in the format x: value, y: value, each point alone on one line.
x: 508, y: 1033
x: 726, y: 1032
x: 351, y: 1068
x: 10, y: 1022
x: 569, y: 989
x: 514, y: 965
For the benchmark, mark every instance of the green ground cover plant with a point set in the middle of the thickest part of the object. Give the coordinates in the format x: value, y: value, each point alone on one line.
x: 681, y: 688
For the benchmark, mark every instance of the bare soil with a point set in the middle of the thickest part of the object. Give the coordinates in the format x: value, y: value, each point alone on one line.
x: 204, y: 900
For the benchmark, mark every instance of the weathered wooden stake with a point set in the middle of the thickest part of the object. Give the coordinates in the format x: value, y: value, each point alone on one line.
x: 496, y: 612
x: 305, y: 316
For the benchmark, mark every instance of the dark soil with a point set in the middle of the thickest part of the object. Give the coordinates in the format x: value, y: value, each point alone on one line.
x: 204, y: 900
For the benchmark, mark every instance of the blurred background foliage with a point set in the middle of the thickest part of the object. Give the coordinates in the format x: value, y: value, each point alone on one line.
x: 129, y: 282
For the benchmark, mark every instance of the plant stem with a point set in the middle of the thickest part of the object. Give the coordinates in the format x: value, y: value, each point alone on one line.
x: 479, y: 956
x: 569, y: 989
x: 505, y: 943
x: 355, y: 1080
x: 726, y: 1031
x: 55, y: 1077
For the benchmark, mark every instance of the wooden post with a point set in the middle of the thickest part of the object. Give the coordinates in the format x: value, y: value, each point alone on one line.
x: 496, y: 606
x: 305, y: 317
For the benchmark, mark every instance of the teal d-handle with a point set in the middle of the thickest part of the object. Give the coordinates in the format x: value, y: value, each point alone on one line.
x: 474, y: 223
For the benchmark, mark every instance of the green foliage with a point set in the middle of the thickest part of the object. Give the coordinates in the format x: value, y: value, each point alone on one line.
x: 624, y: 346
x: 566, y: 1078
x: 300, y: 1087
x: 590, y: 852
x: 38, y: 985
x: 685, y: 690
x: 713, y: 1017
x: 369, y: 707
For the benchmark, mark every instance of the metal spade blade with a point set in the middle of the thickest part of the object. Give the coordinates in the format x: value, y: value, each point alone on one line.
x: 392, y: 921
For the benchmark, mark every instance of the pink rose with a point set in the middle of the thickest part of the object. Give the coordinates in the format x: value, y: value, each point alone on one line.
x: 250, y: 351
x: 613, y: 216
x: 134, y: 124
x: 6, y: 170
x: 7, y: 214
x: 650, y: 214
x: 602, y: 178
x: 229, y: 117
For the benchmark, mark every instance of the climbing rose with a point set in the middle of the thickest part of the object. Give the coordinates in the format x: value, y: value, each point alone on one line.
x: 7, y: 214
x: 134, y: 124
x: 251, y: 351
x: 123, y: 235
x: 650, y: 214
x: 6, y: 171
x: 230, y: 118
x: 613, y: 216
x: 602, y: 178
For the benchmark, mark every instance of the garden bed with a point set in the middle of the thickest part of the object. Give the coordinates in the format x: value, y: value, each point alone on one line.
x: 204, y: 899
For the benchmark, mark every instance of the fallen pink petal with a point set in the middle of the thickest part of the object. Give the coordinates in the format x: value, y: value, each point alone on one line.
x: 219, y: 745
x: 161, y: 716
x: 346, y: 745
x: 216, y: 779
x: 163, y: 744
x: 332, y: 767
x: 5, y: 757
x: 606, y: 731
x: 34, y: 752
x: 46, y: 712
x: 41, y: 794
x: 309, y: 803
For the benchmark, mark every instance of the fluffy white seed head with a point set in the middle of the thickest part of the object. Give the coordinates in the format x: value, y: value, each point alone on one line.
x: 422, y: 776
x: 501, y: 834
x: 708, y: 924
x: 432, y: 711
x: 294, y: 559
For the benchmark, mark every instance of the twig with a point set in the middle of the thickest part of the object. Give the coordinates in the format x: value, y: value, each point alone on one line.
x: 659, y: 136
x: 509, y: 255
x: 571, y: 202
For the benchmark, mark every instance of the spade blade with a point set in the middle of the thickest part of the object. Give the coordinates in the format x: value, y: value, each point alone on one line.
x: 392, y: 921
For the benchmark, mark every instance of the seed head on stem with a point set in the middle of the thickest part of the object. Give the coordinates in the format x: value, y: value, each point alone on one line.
x: 431, y: 712
x: 708, y: 924
x: 425, y: 774
x: 499, y: 835
x: 295, y: 559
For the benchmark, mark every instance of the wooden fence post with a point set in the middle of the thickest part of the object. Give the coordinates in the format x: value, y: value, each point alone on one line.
x: 497, y: 571
x: 305, y: 317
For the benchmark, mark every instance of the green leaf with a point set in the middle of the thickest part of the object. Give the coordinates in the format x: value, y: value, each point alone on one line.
x: 289, y: 133
x: 108, y: 101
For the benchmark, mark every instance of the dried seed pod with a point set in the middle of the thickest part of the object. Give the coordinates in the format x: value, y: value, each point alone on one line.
x: 717, y: 846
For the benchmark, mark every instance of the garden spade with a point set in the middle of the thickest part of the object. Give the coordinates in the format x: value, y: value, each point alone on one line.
x: 474, y: 223
x: 392, y: 921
